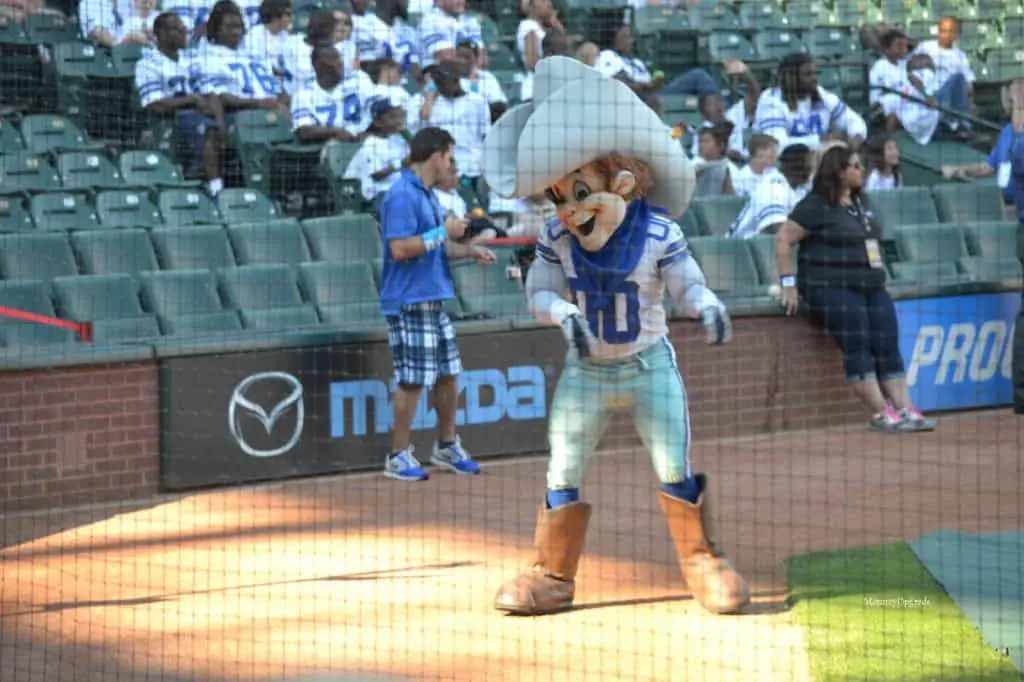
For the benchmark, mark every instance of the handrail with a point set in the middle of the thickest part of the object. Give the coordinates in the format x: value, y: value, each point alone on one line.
x: 82, y: 329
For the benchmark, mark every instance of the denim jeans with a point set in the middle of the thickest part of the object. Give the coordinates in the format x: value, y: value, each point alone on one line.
x: 693, y: 82
x: 953, y: 95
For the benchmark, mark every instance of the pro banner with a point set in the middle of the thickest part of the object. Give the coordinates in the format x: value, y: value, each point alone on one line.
x: 245, y: 417
x: 1018, y: 362
x: 959, y: 349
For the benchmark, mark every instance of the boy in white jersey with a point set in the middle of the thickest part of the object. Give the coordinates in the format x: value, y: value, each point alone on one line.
x: 333, y: 107
x: 384, y: 152
x: 268, y: 40
x: 892, y: 72
x: 617, y: 189
x: 163, y: 81
x: 478, y: 80
x: 775, y: 195
x: 799, y: 111
x: 764, y: 153
x: 447, y: 22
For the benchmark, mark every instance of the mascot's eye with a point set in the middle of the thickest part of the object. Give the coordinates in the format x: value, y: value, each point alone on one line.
x: 580, y: 191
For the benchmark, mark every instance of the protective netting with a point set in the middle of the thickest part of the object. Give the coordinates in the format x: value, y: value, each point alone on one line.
x: 785, y: 232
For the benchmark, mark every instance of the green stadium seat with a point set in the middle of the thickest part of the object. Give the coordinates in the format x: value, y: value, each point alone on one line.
x: 26, y: 172
x: 342, y: 292
x: 253, y: 287
x: 200, y: 246
x: 731, y: 45
x: 174, y: 293
x: 54, y: 133
x: 187, y: 207
x: 243, y: 205
x: 502, y: 57
x: 193, y: 324
x: 1003, y: 10
x: 36, y: 256
x: 833, y: 42
x: 995, y: 270
x: 904, y: 206
x: 940, y: 243
x: 343, y: 238
x: 757, y: 16
x: 488, y: 291
x: 46, y: 28
x: 139, y: 328
x: 715, y: 17
x: 127, y: 208
x: 280, y: 241
x: 772, y: 44
x: 87, y: 170
x: 935, y: 274
x: 762, y: 247
x: 855, y: 13
x: 362, y: 314
x: 30, y: 296
x: 291, y: 317
x: 652, y: 20
x: 991, y: 240
x: 12, y: 32
x: 805, y: 14
x: 715, y: 215
x: 143, y: 168
x: 254, y: 134
x: 14, y: 217
x: 690, y: 226
x: 1013, y: 30
x: 108, y: 252
x: 53, y: 211
x: 76, y: 63
x: 1002, y: 65
x: 10, y: 138
x: 126, y: 56
x: 962, y: 203
x: 347, y: 194
x: 729, y: 266
x: 97, y: 297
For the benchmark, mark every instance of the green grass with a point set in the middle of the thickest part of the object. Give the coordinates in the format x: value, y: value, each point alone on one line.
x: 918, y: 635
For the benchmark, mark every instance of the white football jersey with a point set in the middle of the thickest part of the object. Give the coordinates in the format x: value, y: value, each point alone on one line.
x: 808, y: 124
x: 158, y: 77
x: 437, y: 26
x: 342, y: 107
x: 632, y: 317
x: 376, y: 40
x: 297, y: 63
x: 220, y: 70
x: 769, y: 203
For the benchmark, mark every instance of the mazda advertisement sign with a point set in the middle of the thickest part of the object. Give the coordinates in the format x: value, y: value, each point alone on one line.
x: 258, y: 416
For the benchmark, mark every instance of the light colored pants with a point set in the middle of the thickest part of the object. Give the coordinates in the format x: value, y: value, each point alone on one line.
x: 588, y: 393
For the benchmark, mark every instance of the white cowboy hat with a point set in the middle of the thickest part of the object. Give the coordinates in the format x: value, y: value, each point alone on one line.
x: 577, y: 115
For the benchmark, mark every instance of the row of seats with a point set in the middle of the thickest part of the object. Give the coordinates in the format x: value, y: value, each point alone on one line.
x: 955, y: 203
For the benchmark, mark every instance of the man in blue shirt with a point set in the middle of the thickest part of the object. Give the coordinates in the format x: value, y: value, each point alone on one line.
x: 1016, y: 186
x: 415, y: 282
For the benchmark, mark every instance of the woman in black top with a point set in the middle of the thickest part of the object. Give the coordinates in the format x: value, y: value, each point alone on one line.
x: 840, y: 275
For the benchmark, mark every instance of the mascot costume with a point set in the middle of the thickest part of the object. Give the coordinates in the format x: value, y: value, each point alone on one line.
x: 618, y: 180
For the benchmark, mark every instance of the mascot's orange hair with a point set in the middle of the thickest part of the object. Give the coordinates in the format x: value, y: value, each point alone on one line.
x: 611, y: 164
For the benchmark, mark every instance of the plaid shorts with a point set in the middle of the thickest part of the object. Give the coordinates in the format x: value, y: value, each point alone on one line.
x: 422, y: 341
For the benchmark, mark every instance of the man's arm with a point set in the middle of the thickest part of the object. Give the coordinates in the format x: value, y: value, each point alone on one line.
x: 407, y: 248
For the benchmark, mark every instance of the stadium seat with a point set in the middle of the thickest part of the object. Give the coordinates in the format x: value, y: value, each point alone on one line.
x: 653, y: 20
x: 1001, y: 65
x: 87, y: 170
x: 138, y: 328
x: 14, y: 217
x: 55, y: 211
x: 731, y: 45
x: 182, y: 248
x: 904, y: 206
x: 192, y: 324
x: 108, y: 252
x: 342, y: 292
x: 143, y: 168
x: 488, y: 292
x: 97, y: 297
x: 174, y: 293
x: 762, y: 247
x: 127, y: 208
x: 53, y: 133
x: 36, y: 256
x: 755, y: 16
x: 991, y: 239
x: 346, y: 194
x: 772, y: 44
x: 715, y: 215
x: 997, y: 270
x: 690, y: 226
x: 962, y: 203
x: 242, y: 205
x: 253, y: 287
x: 254, y: 133
x: 26, y: 172
x: 925, y: 274
x: 343, y: 238
x: 29, y: 296
x: 832, y: 42
x: 290, y: 317
x: 10, y: 138
x: 714, y: 17
x: 187, y: 207
x: 47, y: 28
x: 279, y: 241
x: 729, y: 266
x: 938, y: 243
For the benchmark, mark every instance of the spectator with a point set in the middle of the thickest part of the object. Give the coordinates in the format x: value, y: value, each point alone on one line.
x: 106, y: 24
x: 17, y: 10
x: 269, y: 40
x: 555, y: 43
x: 332, y: 107
x: 764, y: 152
x: 464, y: 115
x: 776, y: 195
x: 892, y: 72
x: 345, y: 43
x: 386, y: 75
x: 163, y: 81
x: 387, y: 35
x: 800, y: 111
x: 240, y: 81
x: 884, y: 159
x: 297, y: 64
x: 617, y: 59
x: 954, y: 77
x: 447, y: 21
x: 478, y: 80
x: 714, y: 170
x: 383, y: 154
x: 840, y: 275
x: 712, y: 108
x: 541, y: 18
x: 359, y: 14
x: 415, y: 282
x: 1000, y: 159
x: 588, y: 53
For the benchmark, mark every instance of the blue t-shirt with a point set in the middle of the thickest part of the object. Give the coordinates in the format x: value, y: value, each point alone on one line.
x: 1000, y: 154
x: 1016, y: 185
x: 409, y: 210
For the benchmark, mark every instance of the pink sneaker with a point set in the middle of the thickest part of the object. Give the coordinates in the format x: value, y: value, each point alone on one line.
x: 913, y: 420
x: 887, y: 421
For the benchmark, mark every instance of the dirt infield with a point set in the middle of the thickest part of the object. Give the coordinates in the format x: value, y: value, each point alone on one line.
x: 362, y: 574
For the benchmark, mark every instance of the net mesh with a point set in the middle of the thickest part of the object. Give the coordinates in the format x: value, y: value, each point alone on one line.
x: 198, y: 395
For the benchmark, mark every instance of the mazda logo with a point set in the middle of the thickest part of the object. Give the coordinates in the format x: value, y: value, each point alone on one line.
x: 240, y: 402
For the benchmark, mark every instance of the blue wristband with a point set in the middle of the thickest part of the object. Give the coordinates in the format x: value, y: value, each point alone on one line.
x: 434, y: 238
x: 788, y: 280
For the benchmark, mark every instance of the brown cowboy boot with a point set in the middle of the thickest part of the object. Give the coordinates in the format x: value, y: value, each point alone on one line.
x: 549, y: 584
x: 714, y: 582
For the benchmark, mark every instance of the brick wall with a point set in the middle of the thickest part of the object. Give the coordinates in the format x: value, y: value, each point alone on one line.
x: 83, y: 435
x: 78, y: 435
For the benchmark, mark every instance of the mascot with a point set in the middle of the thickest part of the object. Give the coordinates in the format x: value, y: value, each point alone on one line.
x: 618, y: 180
